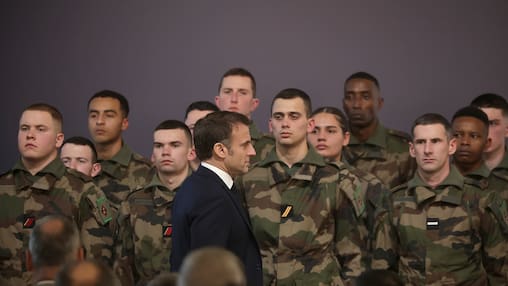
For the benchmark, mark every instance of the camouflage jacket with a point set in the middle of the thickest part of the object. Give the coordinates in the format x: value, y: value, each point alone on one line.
x: 498, y: 179
x: 450, y: 235
x: 146, y: 229
x: 305, y: 224
x: 122, y: 174
x: 376, y: 229
x: 262, y: 143
x: 24, y: 199
x: 385, y: 154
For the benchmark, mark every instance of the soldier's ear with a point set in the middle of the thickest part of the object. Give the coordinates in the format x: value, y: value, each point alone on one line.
x: 347, y: 136
x: 59, y: 139
x: 191, y: 156
x: 96, y: 169
x: 452, y: 147
x: 28, y: 257
x: 412, y: 150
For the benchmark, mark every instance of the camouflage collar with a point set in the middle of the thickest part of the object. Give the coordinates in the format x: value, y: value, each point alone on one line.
x: 454, y: 179
x: 123, y: 157
x: 378, y: 138
x: 255, y: 133
x: 43, y: 180
x: 312, y: 158
x: 504, y: 163
x: 449, y: 191
x: 55, y: 168
x: 481, y: 172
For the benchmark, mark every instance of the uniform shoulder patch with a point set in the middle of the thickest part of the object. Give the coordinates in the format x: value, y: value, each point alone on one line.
x: 138, y: 158
x: 480, y: 184
x: 399, y: 188
x: 400, y: 134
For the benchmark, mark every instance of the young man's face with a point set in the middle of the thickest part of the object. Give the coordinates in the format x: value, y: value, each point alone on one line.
x: 289, y: 123
x: 39, y: 136
x: 106, y: 120
x: 471, y: 135
x: 172, y: 151
x: 431, y: 148
x: 237, y: 155
x: 498, y: 129
x: 236, y: 95
x: 79, y: 158
x: 193, y: 116
x: 327, y: 136
x: 361, y: 102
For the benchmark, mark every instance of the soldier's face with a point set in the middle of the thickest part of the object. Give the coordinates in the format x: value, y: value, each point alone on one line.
x: 193, y: 117
x: 237, y: 155
x: 79, y: 158
x: 39, y: 136
x: 172, y: 151
x: 431, y: 149
x: 498, y: 129
x: 361, y: 102
x: 472, y: 138
x: 236, y: 95
x: 327, y: 136
x: 106, y: 120
x: 289, y: 123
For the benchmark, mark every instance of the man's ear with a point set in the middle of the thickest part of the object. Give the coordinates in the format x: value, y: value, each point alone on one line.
x: 220, y: 150
x: 191, y: 156
x: 28, y: 257
x: 412, y: 151
x: 96, y: 169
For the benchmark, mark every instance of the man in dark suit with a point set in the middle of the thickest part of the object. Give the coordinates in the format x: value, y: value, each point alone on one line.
x: 208, y: 211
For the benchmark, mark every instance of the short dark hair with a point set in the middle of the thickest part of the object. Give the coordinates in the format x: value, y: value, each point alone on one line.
x: 175, y: 124
x: 240, y: 72
x: 475, y: 112
x: 491, y: 100
x: 433, y: 118
x: 82, y: 141
x: 363, y: 75
x: 105, y: 275
x: 54, y: 248
x: 379, y: 278
x: 337, y: 113
x: 290, y: 93
x: 53, y: 111
x: 201, y: 105
x: 216, y: 127
x: 124, y: 103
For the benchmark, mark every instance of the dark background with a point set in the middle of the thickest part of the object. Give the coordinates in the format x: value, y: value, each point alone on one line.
x: 428, y: 55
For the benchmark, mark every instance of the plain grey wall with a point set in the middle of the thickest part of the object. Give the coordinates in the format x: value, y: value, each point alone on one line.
x: 428, y: 55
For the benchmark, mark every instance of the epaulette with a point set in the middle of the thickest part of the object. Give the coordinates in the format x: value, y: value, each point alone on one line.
x: 83, y: 177
x: 480, y: 184
x: 400, y: 134
x: 398, y: 188
x: 137, y: 157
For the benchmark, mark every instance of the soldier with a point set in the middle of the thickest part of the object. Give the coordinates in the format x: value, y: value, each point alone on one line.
x: 301, y: 214
x: 194, y: 112
x: 496, y: 108
x: 147, y: 225
x: 237, y: 93
x: 374, y: 148
x: 449, y: 231
x: 471, y: 128
x: 122, y: 170
x: 85, y: 273
x: 329, y: 136
x: 79, y: 153
x: 39, y: 185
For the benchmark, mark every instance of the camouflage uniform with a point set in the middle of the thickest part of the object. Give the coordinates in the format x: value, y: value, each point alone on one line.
x: 147, y: 229
x: 262, y: 143
x: 454, y: 234
x: 385, y: 154
x: 498, y: 179
x: 306, y: 225
x: 24, y: 199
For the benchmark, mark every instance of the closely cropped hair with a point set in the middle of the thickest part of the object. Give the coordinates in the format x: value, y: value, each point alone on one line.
x: 53, y: 111
x: 473, y: 111
x: 491, y: 100
x: 54, y: 248
x: 124, y: 104
x: 363, y: 75
x: 82, y: 141
x: 240, y: 72
x: 175, y: 124
x: 433, y: 118
x: 290, y: 93
x: 202, y: 106
x: 339, y: 116
x: 216, y: 127
x: 105, y: 276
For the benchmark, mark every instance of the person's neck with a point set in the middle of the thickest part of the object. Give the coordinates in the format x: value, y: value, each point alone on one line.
x: 194, y: 164
x: 45, y: 273
x: 34, y: 167
x: 364, y: 133
x: 173, y: 181
x: 107, y: 151
x: 434, y: 179
x: 493, y: 158
x: 291, y: 154
x: 466, y: 168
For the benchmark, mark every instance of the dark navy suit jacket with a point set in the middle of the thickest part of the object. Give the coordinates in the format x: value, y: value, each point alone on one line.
x: 206, y: 213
